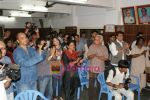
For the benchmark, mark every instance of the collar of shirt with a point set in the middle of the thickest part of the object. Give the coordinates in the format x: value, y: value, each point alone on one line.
x: 121, y: 43
x: 118, y: 71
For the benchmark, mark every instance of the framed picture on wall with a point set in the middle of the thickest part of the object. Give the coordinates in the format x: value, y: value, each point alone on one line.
x: 143, y: 14
x: 109, y: 28
x: 120, y: 28
x: 128, y: 15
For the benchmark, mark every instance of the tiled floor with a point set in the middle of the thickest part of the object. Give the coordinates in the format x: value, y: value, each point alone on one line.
x: 145, y: 95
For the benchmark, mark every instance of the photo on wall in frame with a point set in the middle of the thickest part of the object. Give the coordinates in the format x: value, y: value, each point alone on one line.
x: 143, y: 14
x: 128, y: 15
x: 120, y: 28
x: 109, y: 28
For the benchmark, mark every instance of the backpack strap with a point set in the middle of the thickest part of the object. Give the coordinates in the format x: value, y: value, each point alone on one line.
x: 114, y: 72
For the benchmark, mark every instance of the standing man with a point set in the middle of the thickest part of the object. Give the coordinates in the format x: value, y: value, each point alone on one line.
x: 27, y: 58
x: 97, y: 55
x: 90, y: 41
x: 80, y: 45
x: 119, y: 49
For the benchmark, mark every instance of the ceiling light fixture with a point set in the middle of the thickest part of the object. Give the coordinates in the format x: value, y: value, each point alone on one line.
x: 19, y: 14
x: 6, y: 19
x: 34, y: 8
x: 76, y: 1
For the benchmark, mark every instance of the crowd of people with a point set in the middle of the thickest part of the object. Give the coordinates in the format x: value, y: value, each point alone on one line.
x: 51, y: 60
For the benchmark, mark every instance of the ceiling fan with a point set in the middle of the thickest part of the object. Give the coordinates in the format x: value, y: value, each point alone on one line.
x: 49, y: 5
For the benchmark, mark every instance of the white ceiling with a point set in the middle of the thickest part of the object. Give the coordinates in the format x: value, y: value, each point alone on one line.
x: 59, y: 7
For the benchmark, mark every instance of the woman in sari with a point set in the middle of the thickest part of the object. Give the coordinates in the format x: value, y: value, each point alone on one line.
x: 71, y: 62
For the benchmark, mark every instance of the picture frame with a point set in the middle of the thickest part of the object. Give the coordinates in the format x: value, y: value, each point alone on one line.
x: 120, y: 28
x: 109, y: 28
x: 128, y: 15
x: 143, y: 13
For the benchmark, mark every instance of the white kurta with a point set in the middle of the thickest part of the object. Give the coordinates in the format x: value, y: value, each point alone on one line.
x: 3, y: 91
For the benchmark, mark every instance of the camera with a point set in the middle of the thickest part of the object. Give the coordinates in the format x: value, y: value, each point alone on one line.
x: 34, y: 26
x: 31, y: 26
x: 127, y: 82
x: 10, y: 70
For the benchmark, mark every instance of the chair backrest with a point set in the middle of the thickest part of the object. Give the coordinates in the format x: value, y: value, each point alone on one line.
x: 102, y: 81
x: 30, y: 95
x: 83, y: 73
x: 101, y: 78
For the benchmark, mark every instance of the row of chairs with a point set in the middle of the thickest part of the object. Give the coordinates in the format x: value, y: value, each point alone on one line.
x: 84, y: 82
x: 30, y: 95
x: 33, y: 95
x: 105, y: 89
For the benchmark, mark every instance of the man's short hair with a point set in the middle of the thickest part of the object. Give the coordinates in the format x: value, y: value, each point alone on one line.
x: 123, y: 64
x: 127, y: 10
x: 119, y: 32
x: 19, y: 34
x: 143, y: 9
x: 94, y: 31
x: 139, y: 34
x: 2, y: 43
x: 77, y: 35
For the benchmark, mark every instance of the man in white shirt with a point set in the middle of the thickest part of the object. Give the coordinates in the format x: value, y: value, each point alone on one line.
x: 119, y: 49
x: 4, y: 84
x: 116, y: 82
x: 128, y: 18
x: 145, y: 17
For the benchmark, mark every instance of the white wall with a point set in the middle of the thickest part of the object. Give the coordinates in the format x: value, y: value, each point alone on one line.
x: 126, y: 3
x: 87, y: 17
x: 83, y: 17
x: 60, y: 21
x: 17, y: 23
x: 46, y: 22
x: 20, y: 22
x: 98, y: 17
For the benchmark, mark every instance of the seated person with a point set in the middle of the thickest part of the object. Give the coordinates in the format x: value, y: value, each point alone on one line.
x: 7, y: 82
x: 3, y: 85
x: 116, y: 82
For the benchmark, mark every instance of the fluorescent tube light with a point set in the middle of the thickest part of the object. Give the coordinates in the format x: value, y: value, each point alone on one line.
x: 19, y: 14
x: 6, y: 19
x: 34, y: 8
x: 76, y: 1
